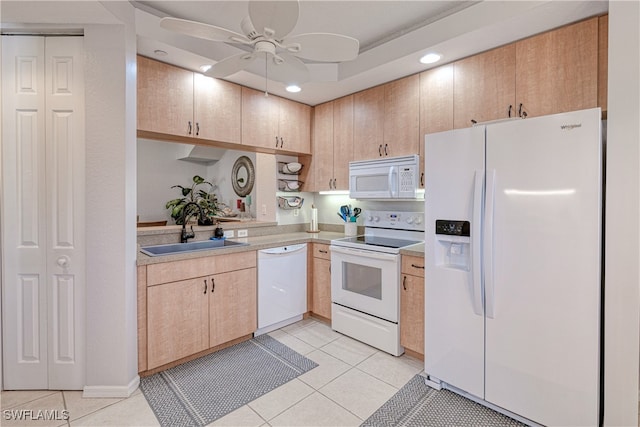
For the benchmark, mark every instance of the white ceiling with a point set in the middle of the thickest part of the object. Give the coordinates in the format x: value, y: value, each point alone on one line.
x: 392, y: 34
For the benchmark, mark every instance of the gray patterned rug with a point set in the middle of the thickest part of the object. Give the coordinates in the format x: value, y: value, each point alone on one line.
x: 205, y: 389
x: 418, y: 405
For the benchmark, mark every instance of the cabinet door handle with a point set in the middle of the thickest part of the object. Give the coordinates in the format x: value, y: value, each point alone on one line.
x: 404, y: 282
x: 386, y: 153
x: 281, y: 142
x: 417, y: 266
x: 276, y: 141
x: 422, y: 179
x: 213, y: 285
x: 205, y: 286
x: 335, y: 185
x: 380, y: 150
x: 197, y: 128
x: 322, y: 251
x: 509, y: 111
x: 473, y: 122
x: 521, y: 112
x: 189, y: 128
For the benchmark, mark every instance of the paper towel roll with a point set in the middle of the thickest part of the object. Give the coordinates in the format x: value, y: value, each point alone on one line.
x: 314, y: 219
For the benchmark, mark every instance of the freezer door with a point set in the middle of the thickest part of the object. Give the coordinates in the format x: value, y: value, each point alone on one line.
x: 454, y: 324
x: 542, y: 272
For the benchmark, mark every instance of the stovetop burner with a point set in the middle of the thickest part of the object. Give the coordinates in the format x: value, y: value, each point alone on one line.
x: 387, y: 231
x: 385, y: 242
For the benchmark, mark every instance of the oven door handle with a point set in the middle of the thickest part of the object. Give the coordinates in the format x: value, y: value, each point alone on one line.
x: 366, y: 253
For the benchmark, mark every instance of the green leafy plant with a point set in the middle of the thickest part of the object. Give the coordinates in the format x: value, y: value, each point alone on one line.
x: 204, y: 197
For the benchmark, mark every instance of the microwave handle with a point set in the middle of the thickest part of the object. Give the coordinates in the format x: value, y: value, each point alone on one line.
x: 391, y: 186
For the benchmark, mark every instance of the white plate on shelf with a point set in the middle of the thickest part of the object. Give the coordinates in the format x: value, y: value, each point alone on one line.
x: 291, y: 167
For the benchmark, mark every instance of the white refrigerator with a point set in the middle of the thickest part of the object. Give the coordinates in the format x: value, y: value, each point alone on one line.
x: 513, y: 214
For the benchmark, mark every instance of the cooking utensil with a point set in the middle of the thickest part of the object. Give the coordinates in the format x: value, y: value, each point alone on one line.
x: 357, y: 212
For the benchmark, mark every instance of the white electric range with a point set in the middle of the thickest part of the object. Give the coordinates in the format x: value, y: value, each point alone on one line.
x: 365, y: 278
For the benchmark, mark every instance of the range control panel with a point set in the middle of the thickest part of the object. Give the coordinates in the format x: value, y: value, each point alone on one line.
x: 453, y: 228
x: 394, y: 219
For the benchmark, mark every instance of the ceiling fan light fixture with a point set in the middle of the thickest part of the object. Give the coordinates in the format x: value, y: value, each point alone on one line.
x: 430, y: 58
x: 293, y: 88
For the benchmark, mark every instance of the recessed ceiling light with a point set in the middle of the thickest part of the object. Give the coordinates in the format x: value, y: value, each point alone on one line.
x: 293, y: 88
x: 160, y: 52
x: 430, y: 58
x: 205, y: 68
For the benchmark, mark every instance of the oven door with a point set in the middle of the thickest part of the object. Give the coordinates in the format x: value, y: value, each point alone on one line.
x: 366, y: 281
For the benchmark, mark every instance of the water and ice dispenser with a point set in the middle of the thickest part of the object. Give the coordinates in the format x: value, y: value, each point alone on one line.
x: 453, y: 244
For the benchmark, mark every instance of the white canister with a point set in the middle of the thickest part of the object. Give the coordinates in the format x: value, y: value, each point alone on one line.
x: 350, y: 228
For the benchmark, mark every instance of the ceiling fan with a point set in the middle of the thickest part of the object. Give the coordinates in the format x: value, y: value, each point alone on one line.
x: 265, y: 32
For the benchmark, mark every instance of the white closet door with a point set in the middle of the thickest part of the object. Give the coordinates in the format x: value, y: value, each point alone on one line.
x: 42, y: 213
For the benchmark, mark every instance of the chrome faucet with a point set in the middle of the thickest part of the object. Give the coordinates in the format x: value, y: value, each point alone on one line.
x: 186, y: 235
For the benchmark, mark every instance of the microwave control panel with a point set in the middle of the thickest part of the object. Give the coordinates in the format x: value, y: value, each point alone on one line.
x: 407, y: 175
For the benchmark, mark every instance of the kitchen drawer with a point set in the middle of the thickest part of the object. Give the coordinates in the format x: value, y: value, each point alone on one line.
x: 321, y: 251
x: 196, y: 267
x: 413, y: 265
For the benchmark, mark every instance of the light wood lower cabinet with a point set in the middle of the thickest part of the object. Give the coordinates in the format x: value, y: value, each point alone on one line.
x: 321, y: 287
x: 178, y: 321
x: 412, y: 304
x: 186, y: 315
x: 232, y: 306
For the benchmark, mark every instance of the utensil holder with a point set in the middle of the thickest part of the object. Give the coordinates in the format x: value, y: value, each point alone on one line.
x: 350, y: 229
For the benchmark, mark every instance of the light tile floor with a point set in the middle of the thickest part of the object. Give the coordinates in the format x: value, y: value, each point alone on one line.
x: 351, y: 381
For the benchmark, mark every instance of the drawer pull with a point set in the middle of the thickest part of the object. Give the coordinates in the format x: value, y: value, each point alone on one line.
x: 417, y: 266
x: 322, y: 251
x: 213, y: 284
x: 404, y: 282
x: 205, y: 286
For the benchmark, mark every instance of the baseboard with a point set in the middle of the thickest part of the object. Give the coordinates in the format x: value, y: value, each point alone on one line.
x: 111, y: 390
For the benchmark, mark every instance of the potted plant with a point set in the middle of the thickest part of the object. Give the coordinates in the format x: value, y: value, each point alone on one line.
x: 204, y: 197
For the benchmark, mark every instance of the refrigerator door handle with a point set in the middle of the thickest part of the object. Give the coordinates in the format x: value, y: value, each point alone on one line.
x: 488, y: 243
x: 476, y: 243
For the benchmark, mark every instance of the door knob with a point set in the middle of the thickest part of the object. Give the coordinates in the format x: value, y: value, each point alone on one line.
x: 63, y: 261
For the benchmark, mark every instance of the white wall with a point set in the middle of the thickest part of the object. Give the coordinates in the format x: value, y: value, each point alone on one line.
x: 111, y: 205
x: 158, y: 170
x: 622, y: 253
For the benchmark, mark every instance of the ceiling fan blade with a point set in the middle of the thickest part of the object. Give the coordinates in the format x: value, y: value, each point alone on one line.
x: 230, y: 65
x: 292, y: 70
x: 324, y: 47
x: 203, y: 31
x: 278, y: 16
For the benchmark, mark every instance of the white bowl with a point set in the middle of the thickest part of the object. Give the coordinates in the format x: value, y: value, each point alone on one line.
x: 291, y: 167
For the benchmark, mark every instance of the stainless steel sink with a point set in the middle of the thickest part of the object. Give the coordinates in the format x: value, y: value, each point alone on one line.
x: 178, y: 248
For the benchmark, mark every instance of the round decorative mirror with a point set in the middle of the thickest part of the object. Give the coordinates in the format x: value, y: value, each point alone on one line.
x: 243, y: 176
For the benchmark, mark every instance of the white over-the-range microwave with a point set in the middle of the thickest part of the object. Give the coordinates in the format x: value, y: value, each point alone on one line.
x: 386, y: 178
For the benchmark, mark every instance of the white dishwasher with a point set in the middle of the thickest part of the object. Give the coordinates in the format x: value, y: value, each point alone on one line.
x: 282, y: 286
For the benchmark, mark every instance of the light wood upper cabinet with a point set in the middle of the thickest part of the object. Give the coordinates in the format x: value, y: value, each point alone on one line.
x: 177, y: 321
x: 165, y: 98
x: 436, y: 105
x: 436, y: 100
x: 232, y: 308
x: 368, y: 124
x: 294, y: 126
x: 323, y: 146
x: 557, y: 71
x: 260, y: 115
x: 343, y: 119
x: 217, y: 109
x: 333, y: 143
x: 603, y: 61
x: 275, y: 123
x: 174, y: 101
x: 402, y: 116
x: 484, y: 86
